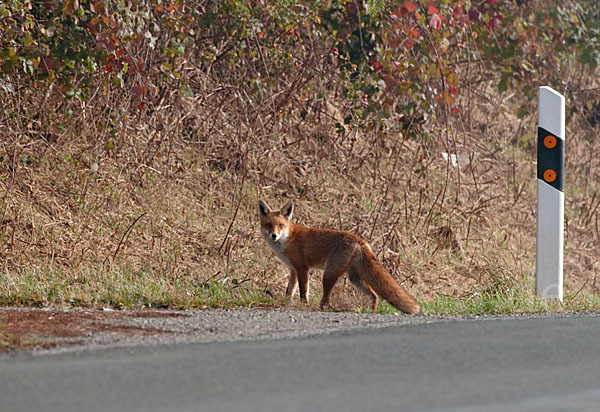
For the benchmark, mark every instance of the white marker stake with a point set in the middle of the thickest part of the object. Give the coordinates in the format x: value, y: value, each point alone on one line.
x: 550, y: 206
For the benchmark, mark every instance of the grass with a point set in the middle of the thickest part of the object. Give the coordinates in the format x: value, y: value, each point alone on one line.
x: 124, y: 288
x: 510, y: 302
x: 489, y: 304
x: 158, y: 207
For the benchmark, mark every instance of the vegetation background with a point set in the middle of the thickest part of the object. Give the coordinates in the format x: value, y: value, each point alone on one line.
x: 137, y: 137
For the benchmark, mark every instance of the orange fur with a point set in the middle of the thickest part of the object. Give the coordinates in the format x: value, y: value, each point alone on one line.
x: 334, y: 251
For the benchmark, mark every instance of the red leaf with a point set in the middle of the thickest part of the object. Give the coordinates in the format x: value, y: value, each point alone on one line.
x: 435, y: 22
x: 494, y: 23
x: 410, y: 43
x: 108, y: 67
x: 473, y: 14
x: 457, y: 11
x: 433, y: 10
x: 454, y: 91
x: 141, y: 106
x: 138, y: 90
x: 400, y: 11
x: 413, y: 33
x: 410, y: 6
x: 376, y: 64
x: 455, y: 111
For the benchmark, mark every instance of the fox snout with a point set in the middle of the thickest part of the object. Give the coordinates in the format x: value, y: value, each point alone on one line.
x: 272, y: 235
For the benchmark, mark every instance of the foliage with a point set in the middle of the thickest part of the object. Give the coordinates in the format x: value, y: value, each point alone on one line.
x: 413, y: 58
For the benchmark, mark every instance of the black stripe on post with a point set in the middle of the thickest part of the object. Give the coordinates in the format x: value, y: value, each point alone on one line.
x: 551, y: 159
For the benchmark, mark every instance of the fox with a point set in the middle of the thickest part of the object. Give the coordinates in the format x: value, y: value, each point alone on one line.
x: 336, y: 252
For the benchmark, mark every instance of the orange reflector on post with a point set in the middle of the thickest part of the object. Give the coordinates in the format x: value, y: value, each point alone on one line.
x: 550, y: 142
x: 549, y: 175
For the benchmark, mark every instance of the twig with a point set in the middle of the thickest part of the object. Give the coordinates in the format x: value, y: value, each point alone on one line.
x: 468, y: 232
x: 237, y: 208
x: 580, y: 289
x: 125, y: 234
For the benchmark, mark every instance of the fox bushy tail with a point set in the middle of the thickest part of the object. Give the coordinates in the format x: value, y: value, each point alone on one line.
x: 375, y: 275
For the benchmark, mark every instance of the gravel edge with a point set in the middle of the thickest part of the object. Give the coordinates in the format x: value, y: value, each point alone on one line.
x: 223, y: 325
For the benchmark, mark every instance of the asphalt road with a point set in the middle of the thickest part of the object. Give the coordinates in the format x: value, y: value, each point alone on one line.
x: 499, y: 364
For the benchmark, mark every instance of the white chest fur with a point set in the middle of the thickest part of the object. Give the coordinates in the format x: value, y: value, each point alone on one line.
x: 278, y: 247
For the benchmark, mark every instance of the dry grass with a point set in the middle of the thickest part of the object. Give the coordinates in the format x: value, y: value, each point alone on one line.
x: 159, y: 208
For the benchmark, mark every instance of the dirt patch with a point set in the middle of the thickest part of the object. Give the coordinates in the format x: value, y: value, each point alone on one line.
x: 27, y: 328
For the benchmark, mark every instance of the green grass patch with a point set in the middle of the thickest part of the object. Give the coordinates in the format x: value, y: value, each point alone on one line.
x: 488, y: 303
x: 124, y: 288
x: 508, y: 302
x: 386, y: 307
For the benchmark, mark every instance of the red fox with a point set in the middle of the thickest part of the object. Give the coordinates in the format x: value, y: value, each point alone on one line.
x: 334, y: 251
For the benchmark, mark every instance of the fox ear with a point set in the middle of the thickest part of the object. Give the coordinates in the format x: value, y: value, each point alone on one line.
x: 287, y: 210
x: 263, y: 209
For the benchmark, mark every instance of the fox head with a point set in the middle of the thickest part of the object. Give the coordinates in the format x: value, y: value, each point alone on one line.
x: 275, y: 225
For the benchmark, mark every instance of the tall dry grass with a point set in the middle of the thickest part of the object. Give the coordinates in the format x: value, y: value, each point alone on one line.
x: 168, y: 194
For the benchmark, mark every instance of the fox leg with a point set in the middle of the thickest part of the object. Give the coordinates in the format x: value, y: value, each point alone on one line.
x: 364, y: 288
x: 329, y: 278
x: 292, y: 284
x: 302, y: 275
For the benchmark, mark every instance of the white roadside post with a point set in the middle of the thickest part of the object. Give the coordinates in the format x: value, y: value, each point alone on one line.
x: 550, y: 203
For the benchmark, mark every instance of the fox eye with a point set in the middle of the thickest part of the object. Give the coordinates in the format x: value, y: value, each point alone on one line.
x: 280, y: 226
